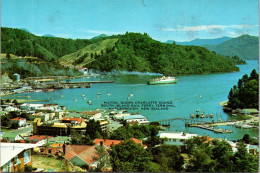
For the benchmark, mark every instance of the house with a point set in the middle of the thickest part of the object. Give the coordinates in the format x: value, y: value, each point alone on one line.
x: 54, y: 148
x: 18, y: 120
x: 30, y: 106
x: 92, y: 114
x: 137, y: 141
x: 174, y: 138
x: 137, y: 118
x: 81, y: 155
x: 42, y: 116
x: 59, y: 129
x: 250, y: 111
x: 16, y: 156
x: 107, y: 142
x: 12, y: 136
x: 39, y: 139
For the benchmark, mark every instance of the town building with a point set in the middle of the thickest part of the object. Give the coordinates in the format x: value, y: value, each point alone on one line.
x: 175, y: 138
x: 18, y: 120
x: 81, y: 155
x: 41, y: 115
x: 91, y: 114
x: 107, y: 142
x: 16, y: 156
x: 54, y: 148
x: 64, y: 128
x: 39, y: 139
x: 119, y: 116
x: 135, y: 118
x: 12, y: 136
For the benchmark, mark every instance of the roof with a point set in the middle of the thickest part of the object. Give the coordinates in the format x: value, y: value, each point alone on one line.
x: 18, y: 119
x: 84, y: 152
x: 107, y: 142
x: 90, y: 113
x: 10, y: 150
x: 134, y: 117
x: 177, y: 135
x: 56, y: 145
x: 39, y: 137
x: 10, y: 135
x: 72, y: 119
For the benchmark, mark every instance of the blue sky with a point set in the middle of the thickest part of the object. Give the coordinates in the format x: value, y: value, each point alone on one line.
x: 180, y: 20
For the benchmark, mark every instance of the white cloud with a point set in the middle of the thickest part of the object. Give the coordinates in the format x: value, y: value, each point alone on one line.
x: 207, y: 27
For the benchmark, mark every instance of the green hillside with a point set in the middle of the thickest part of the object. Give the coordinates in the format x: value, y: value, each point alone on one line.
x: 245, y: 47
x: 137, y: 52
x: 22, y: 43
x: 85, y: 55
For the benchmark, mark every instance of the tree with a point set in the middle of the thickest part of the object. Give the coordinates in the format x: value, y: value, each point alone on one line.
x: 129, y: 157
x: 244, y: 161
x: 102, y: 157
x: 92, y: 129
x: 246, y: 138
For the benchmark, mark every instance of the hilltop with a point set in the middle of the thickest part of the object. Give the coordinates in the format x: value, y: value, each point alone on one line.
x: 245, y: 47
x: 130, y: 52
x: 139, y: 52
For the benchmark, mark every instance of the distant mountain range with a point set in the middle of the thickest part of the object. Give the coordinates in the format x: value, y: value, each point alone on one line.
x: 199, y: 42
x: 245, y: 46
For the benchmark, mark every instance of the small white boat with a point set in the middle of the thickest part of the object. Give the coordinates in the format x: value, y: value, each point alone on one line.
x: 84, y: 98
x: 62, y: 96
x: 131, y: 95
x: 89, y: 101
x: 109, y: 94
x: 98, y: 93
x: 192, y: 116
x: 75, y: 100
x: 82, y: 95
x: 128, y: 98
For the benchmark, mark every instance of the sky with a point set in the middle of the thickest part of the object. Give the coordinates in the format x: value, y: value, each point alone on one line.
x: 179, y: 20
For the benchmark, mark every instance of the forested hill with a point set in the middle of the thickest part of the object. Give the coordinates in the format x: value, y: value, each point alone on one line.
x: 245, y: 47
x: 137, y: 52
x: 22, y: 43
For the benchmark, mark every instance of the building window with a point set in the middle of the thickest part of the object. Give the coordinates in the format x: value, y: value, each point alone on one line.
x: 27, y: 156
x: 7, y: 167
x: 16, y: 160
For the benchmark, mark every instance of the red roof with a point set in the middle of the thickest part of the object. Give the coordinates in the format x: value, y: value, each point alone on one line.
x: 17, y: 119
x: 91, y: 113
x: 85, y: 152
x: 107, y: 142
x: 36, y: 138
x: 79, y: 120
x: 137, y: 141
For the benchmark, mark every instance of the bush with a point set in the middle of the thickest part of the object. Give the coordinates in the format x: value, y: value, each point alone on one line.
x: 50, y: 155
x: 28, y: 168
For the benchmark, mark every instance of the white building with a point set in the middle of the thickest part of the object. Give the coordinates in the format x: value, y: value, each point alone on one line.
x: 175, y: 138
x: 119, y: 116
x: 18, y: 120
x: 42, y: 116
x: 135, y: 118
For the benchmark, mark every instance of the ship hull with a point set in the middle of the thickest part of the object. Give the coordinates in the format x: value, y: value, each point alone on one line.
x: 161, y: 82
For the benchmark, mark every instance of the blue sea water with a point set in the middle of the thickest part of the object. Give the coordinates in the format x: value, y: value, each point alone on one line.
x: 191, y: 93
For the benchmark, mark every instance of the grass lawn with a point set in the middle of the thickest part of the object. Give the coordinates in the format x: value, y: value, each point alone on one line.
x: 48, y: 163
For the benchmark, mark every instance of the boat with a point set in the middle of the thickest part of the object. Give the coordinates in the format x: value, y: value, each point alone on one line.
x: 201, y: 115
x: 162, y: 80
x: 62, y: 96
x: 192, y: 116
x: 75, y: 100
x: 207, y: 116
x: 131, y: 95
x: 84, y: 98
x: 211, y: 115
x: 98, y: 93
x: 89, y: 101
x: 128, y: 98
x: 197, y: 115
x: 82, y: 95
x: 109, y: 94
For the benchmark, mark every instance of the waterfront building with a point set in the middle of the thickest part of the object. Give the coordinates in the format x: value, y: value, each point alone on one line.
x: 250, y: 111
x: 64, y: 128
x: 175, y: 138
x: 16, y: 156
x: 119, y: 116
x: 135, y: 118
x: 18, y: 120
